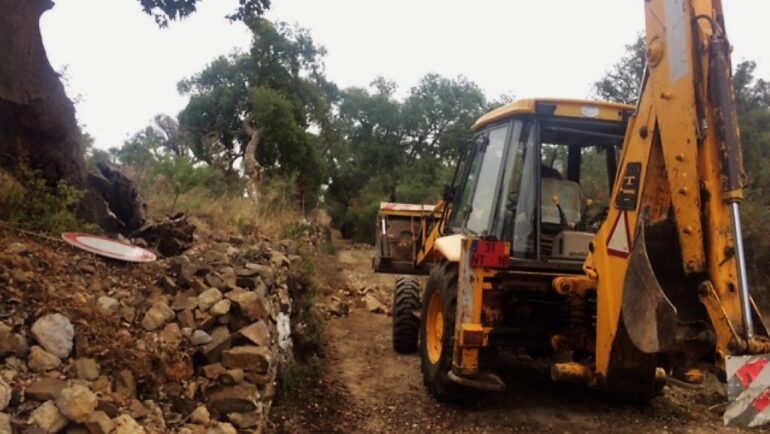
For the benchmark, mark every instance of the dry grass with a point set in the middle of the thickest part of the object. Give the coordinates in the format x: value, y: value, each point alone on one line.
x: 226, y: 214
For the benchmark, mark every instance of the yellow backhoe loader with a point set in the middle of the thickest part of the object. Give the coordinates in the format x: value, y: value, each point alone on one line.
x: 604, y: 236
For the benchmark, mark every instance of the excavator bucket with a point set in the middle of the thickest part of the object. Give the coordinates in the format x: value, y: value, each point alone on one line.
x: 648, y: 314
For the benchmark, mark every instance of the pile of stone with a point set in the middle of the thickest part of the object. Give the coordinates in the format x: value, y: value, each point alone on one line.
x: 197, y: 352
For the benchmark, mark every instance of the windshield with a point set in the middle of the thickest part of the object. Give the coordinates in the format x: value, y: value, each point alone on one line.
x: 473, y: 209
x: 486, y: 187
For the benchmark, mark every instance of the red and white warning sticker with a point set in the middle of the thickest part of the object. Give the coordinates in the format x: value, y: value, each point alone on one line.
x: 748, y: 390
x: 108, y: 247
x: 619, y: 242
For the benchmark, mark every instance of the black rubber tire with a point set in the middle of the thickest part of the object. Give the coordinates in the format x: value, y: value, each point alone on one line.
x: 406, y: 305
x: 444, y: 279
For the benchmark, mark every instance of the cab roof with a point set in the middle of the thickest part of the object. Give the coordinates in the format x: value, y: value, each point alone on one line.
x: 585, y: 109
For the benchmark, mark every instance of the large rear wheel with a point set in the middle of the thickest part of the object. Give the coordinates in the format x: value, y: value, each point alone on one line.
x: 406, y: 306
x: 437, y: 333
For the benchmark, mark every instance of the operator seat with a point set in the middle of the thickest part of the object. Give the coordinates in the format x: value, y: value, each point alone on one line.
x: 570, y: 196
x: 556, y: 240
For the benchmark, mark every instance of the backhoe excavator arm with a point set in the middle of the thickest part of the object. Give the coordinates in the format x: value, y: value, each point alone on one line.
x: 668, y: 262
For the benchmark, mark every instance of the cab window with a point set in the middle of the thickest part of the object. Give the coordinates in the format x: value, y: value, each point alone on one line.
x: 480, y: 213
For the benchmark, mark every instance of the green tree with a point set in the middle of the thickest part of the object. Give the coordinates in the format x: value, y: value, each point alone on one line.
x: 143, y: 150
x: 40, y: 132
x: 182, y: 174
x: 273, y: 94
x: 437, y: 116
x: 387, y: 149
x: 753, y: 103
x: 622, y: 82
x: 170, y: 10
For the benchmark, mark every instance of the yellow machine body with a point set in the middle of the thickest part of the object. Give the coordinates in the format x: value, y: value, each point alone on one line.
x: 655, y: 286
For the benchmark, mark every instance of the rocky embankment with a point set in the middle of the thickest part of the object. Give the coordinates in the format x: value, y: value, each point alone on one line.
x: 189, y: 344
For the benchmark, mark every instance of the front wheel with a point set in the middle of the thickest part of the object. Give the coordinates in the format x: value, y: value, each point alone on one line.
x: 406, y: 305
x: 437, y: 329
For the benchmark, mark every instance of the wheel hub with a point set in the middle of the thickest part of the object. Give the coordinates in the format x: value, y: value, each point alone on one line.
x: 435, y: 328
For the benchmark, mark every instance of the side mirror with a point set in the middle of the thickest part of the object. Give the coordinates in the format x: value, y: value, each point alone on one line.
x: 449, y: 193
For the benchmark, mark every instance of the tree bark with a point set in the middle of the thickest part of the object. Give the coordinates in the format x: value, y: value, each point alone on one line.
x: 123, y: 195
x: 251, y: 166
x: 38, y: 129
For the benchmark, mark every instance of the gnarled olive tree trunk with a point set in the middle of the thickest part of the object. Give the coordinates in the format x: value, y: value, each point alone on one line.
x: 38, y: 129
x: 251, y: 166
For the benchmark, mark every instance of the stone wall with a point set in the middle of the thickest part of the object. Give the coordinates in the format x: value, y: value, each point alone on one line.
x: 192, y: 344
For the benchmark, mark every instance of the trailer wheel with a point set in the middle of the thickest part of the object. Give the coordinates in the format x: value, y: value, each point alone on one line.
x: 437, y: 328
x: 406, y: 305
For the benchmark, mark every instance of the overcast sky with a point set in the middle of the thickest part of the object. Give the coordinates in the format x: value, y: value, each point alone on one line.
x: 122, y: 69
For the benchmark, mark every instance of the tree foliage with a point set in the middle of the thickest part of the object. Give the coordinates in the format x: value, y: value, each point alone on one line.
x: 277, y: 88
x: 390, y: 149
x: 349, y: 148
x: 621, y: 83
x: 171, y: 10
x: 753, y: 102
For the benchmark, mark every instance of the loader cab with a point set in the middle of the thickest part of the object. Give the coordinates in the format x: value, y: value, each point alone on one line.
x: 539, y: 175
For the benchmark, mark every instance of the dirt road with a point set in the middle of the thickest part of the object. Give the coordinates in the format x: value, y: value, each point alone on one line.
x: 367, y: 387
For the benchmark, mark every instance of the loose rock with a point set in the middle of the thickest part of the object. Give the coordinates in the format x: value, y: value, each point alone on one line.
x: 373, y: 305
x: 232, y: 376
x: 278, y: 259
x: 257, y: 333
x: 233, y: 399
x: 99, y: 423
x: 125, y: 424
x: 76, y: 403
x: 45, y: 389
x: 265, y: 272
x: 125, y: 383
x: 214, y: 281
x: 87, y: 369
x: 200, y: 415
x: 48, y: 418
x: 156, y: 316
x: 171, y: 335
x: 207, y: 298
x: 16, y: 248
x: 244, y: 420
x: 220, y: 308
x: 248, y: 358
x: 223, y: 428
x: 182, y: 301
x: 220, y: 341
x: 54, y: 333
x: 186, y: 319
x: 213, y: 371
x: 5, y: 424
x: 11, y: 343
x: 250, y: 303
x: 108, y: 304
x: 199, y: 337
x: 41, y: 360
x: 338, y: 308
x: 5, y: 394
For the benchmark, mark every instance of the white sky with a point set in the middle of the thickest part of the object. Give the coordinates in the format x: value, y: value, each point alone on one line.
x: 123, y: 70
